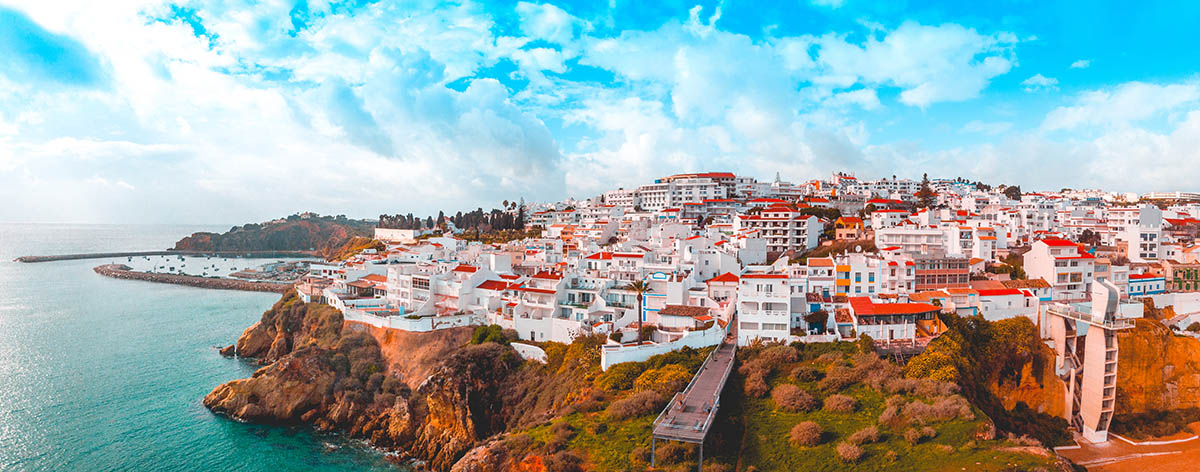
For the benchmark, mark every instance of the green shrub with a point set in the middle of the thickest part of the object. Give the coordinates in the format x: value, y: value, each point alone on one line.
x: 791, y: 398
x: 807, y: 433
x: 665, y: 380
x: 867, y: 435
x: 489, y: 334
x: 849, y: 453
x: 638, y: 404
x: 838, y: 403
x: 620, y: 376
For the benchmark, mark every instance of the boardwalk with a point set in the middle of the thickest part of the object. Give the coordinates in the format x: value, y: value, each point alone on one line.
x: 690, y: 414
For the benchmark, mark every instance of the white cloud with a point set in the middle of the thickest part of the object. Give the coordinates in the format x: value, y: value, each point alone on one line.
x: 1040, y: 83
x: 865, y: 98
x: 1081, y: 64
x: 366, y: 109
x: 829, y: 3
x: 1122, y: 105
x: 929, y: 63
x: 986, y: 127
x: 548, y: 22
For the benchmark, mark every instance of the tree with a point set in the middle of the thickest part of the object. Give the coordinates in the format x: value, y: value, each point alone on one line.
x: 866, y: 344
x: 819, y: 317
x: 925, y: 195
x: 1194, y: 327
x: 639, y: 287
x: 1013, y: 192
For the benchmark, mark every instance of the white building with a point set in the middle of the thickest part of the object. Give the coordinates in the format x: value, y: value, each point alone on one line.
x: 763, y: 307
x: 1064, y: 265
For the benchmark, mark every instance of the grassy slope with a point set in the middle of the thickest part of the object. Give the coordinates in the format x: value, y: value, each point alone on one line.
x: 761, y: 432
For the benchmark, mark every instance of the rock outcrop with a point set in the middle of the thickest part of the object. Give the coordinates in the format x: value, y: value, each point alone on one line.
x: 1156, y: 369
x: 343, y: 388
x: 290, y: 324
x: 1036, y: 386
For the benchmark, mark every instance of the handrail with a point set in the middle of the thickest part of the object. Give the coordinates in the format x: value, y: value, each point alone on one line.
x: 666, y: 408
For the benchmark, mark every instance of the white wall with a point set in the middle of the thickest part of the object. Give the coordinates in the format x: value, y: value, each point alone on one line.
x: 423, y: 324
x: 530, y: 352
x: 612, y: 354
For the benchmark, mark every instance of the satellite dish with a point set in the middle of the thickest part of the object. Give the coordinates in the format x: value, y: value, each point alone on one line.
x: 857, y: 248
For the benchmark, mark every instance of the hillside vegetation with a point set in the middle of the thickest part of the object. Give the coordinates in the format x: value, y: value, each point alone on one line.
x: 322, y: 234
x: 473, y: 405
x: 1001, y: 367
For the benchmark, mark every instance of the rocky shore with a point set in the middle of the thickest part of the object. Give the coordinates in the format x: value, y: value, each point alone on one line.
x: 121, y: 271
x: 333, y: 375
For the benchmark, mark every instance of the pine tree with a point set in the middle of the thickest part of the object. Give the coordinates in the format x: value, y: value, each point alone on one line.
x: 925, y: 195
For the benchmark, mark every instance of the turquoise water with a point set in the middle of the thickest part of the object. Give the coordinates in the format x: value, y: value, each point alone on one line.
x: 105, y: 374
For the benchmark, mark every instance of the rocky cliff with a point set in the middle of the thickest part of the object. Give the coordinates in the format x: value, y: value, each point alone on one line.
x: 427, y: 395
x: 289, y: 325
x: 1156, y: 370
x: 1036, y: 386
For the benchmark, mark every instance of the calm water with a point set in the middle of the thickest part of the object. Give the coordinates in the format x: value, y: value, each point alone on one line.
x: 105, y: 374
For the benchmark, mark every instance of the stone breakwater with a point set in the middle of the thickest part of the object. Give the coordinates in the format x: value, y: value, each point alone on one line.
x: 122, y: 271
x: 109, y: 255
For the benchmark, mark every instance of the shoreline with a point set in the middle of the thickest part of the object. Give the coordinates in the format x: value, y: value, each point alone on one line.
x: 169, y: 252
x: 121, y: 271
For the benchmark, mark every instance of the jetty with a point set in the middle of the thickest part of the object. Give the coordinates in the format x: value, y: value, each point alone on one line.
x: 121, y: 271
x: 169, y: 252
x: 690, y: 414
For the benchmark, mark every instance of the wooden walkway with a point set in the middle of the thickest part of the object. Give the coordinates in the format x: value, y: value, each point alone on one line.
x: 690, y: 413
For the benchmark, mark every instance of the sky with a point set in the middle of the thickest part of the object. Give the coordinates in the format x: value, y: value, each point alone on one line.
x: 143, y: 111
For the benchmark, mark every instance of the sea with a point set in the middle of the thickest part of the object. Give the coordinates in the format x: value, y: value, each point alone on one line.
x: 108, y: 375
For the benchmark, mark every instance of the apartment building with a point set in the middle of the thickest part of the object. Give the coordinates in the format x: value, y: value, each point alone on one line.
x: 675, y: 191
x: 1064, y: 264
x: 763, y: 307
x: 1181, y: 277
x: 936, y: 269
x: 911, y: 238
x: 783, y: 227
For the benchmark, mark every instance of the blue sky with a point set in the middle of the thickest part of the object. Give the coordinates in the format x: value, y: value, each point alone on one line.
x: 198, y: 111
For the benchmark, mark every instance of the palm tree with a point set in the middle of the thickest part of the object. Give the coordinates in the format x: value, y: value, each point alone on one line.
x: 640, y: 287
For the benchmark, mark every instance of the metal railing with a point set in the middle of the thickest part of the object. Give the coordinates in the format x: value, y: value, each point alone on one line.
x: 1117, y: 323
x: 714, y: 403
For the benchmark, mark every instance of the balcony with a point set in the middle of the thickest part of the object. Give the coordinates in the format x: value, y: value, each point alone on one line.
x: 768, y: 296
x: 781, y: 313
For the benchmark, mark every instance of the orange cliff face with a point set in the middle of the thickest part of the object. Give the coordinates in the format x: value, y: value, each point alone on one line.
x: 1038, y: 387
x: 1156, y: 370
x: 413, y: 356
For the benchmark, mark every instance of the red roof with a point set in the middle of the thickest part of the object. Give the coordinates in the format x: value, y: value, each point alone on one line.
x: 534, y: 290
x: 1144, y: 276
x: 360, y: 283
x: 726, y: 277
x: 1058, y: 242
x: 600, y: 256
x: 376, y: 278
x: 863, y: 306
x: 998, y: 292
x: 547, y: 276
x: 764, y: 276
x: 493, y: 285
x: 633, y: 255
x: 465, y: 268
